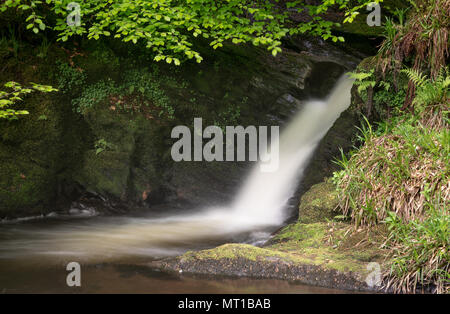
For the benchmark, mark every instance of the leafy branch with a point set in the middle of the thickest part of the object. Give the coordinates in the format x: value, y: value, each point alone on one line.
x: 169, y: 27
x: 15, y: 94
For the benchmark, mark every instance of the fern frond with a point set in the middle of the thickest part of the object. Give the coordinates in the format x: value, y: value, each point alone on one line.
x: 419, y: 79
x: 362, y: 86
x: 360, y: 76
x: 446, y: 82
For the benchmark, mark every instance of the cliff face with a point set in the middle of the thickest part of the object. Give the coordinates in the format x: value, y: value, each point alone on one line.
x: 104, y: 138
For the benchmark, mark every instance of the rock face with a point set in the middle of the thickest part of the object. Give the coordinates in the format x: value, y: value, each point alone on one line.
x: 121, y: 157
x: 37, y: 157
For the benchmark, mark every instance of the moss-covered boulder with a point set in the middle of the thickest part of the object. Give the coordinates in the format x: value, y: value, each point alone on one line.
x: 125, y: 161
x: 318, y: 203
x: 306, y: 253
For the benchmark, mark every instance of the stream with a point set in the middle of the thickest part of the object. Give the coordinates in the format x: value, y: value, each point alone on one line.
x: 28, y: 266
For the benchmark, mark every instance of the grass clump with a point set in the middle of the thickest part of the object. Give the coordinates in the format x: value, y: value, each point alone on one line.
x: 420, y: 255
x: 396, y: 171
x: 140, y: 91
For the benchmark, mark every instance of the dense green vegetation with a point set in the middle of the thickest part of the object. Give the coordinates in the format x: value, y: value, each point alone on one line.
x: 399, y: 176
x: 169, y: 27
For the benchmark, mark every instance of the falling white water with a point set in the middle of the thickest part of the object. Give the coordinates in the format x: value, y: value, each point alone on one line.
x: 265, y: 194
x: 260, y: 203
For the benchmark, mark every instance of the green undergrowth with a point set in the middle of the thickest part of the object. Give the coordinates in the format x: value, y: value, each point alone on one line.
x: 402, y: 168
x: 399, y: 176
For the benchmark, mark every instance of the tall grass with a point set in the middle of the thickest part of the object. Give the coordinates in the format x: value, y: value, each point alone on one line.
x: 42, y: 49
x: 392, y: 171
x: 420, y: 251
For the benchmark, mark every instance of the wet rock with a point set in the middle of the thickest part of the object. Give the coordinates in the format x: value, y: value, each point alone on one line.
x: 246, y: 260
x: 300, y: 252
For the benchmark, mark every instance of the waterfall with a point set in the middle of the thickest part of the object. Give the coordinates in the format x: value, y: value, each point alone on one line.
x: 260, y: 203
x: 265, y: 194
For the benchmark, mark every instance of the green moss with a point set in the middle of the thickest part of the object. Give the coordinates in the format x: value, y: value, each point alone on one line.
x: 367, y: 64
x: 40, y: 150
x: 105, y: 173
x: 319, y: 203
x: 233, y: 251
x: 299, y: 244
x: 22, y: 184
x: 35, y: 155
x: 306, y: 234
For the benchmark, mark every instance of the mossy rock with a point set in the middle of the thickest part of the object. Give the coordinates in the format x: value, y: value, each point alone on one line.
x: 300, y: 252
x: 105, y: 173
x: 318, y: 203
x: 326, y: 244
x: 24, y: 187
x: 38, y: 152
x: 368, y: 63
x: 128, y: 168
